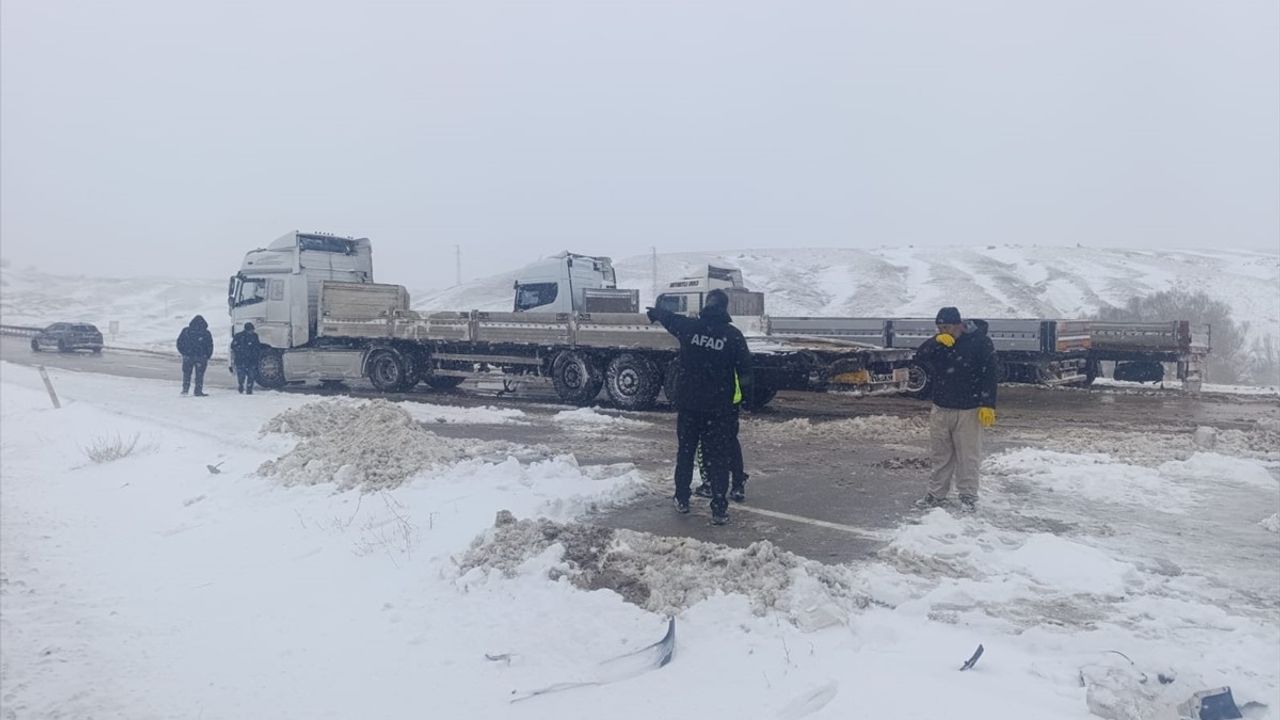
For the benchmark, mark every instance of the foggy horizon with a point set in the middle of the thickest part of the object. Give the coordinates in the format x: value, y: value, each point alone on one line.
x: 144, y: 138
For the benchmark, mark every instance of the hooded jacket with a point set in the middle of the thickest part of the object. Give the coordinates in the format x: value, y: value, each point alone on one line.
x: 245, y: 347
x: 195, y: 340
x: 964, y: 375
x: 711, y: 351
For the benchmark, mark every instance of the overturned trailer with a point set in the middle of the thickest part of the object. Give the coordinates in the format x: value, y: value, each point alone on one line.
x: 1048, y: 352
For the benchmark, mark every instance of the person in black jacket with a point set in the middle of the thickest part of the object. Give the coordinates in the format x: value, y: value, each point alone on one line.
x: 961, y: 363
x: 245, y: 348
x: 737, y: 470
x: 711, y: 351
x: 195, y: 344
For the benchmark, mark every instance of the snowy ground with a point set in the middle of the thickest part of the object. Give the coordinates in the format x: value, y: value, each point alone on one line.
x: 149, y: 587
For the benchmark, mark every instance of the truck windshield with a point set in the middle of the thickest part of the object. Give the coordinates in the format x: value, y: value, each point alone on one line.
x: 249, y: 291
x: 674, y: 303
x: 326, y: 243
x: 535, y: 295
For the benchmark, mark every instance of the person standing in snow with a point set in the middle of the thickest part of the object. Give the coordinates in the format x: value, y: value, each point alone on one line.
x: 245, y: 348
x: 195, y: 344
x: 737, y: 473
x: 712, y: 350
x: 961, y: 362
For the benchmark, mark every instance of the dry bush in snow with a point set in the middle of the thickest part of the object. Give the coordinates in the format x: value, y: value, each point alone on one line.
x: 106, y: 449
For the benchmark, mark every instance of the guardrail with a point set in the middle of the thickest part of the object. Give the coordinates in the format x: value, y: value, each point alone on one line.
x: 24, y: 331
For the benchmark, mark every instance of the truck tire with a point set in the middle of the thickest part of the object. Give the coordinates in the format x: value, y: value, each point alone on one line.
x: 35, y: 344
x: 62, y: 346
x: 270, y: 369
x: 1092, y: 369
x: 633, y: 381
x: 443, y: 382
x: 919, y: 384
x: 387, y: 371
x: 671, y: 381
x: 761, y: 396
x: 576, y: 377
x: 1139, y: 371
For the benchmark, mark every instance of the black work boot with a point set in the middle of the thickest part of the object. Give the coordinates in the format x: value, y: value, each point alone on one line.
x: 719, y: 511
x: 682, y: 506
x: 703, y: 490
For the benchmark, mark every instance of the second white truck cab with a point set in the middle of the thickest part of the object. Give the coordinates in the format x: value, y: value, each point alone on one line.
x: 687, y: 295
x: 568, y: 282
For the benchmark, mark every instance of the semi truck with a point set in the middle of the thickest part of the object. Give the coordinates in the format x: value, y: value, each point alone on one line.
x: 321, y: 317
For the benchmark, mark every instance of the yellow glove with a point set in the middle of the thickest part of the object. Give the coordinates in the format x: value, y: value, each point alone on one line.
x: 945, y: 339
x: 987, y: 416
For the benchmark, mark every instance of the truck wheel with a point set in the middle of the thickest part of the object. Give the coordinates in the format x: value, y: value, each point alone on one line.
x: 633, y: 381
x: 444, y: 382
x: 270, y: 369
x: 387, y: 371
x: 576, y: 377
x: 62, y: 346
x: 671, y: 381
x: 761, y: 396
x: 35, y: 345
x: 919, y: 385
x: 1092, y: 369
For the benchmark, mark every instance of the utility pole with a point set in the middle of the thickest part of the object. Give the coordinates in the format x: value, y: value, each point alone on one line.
x: 654, y: 271
x: 457, y: 250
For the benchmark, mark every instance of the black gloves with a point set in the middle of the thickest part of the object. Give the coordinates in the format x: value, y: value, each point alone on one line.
x: 652, y: 313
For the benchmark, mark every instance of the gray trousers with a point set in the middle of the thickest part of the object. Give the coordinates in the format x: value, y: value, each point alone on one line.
x: 956, y: 440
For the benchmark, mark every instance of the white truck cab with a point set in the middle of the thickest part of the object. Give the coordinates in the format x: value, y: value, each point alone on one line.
x: 687, y: 295
x: 568, y: 283
x: 278, y: 286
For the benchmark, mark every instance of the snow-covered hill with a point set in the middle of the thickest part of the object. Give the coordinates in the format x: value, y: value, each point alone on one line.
x: 995, y: 281
x: 150, y: 311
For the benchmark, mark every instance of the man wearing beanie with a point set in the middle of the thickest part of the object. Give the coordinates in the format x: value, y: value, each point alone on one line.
x: 961, y: 362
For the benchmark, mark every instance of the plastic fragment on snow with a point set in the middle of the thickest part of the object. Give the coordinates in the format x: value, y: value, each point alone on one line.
x: 1215, y: 704
x: 973, y: 660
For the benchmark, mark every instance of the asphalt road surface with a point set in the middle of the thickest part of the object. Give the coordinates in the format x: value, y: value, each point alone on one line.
x: 826, y: 496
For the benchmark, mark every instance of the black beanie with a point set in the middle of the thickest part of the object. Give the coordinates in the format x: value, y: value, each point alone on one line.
x: 948, y: 316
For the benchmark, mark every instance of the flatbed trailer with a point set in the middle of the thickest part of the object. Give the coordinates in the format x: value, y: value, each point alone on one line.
x: 1030, y: 350
x: 367, y: 330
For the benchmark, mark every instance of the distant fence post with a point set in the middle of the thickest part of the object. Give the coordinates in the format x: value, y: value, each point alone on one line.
x: 48, y: 385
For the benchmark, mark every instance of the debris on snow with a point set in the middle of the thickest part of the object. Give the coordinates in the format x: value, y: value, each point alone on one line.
x: 667, y: 575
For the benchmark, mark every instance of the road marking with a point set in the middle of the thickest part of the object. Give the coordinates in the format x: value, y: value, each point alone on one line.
x: 870, y: 534
x: 142, y: 367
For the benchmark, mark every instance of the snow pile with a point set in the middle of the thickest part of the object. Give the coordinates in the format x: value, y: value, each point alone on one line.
x: 1271, y: 524
x: 592, y: 417
x: 453, y: 415
x: 375, y: 445
x: 889, y: 428
x: 1152, y: 448
x: 668, y: 575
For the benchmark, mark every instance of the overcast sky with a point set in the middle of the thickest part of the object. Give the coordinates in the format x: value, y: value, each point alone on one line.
x: 169, y: 137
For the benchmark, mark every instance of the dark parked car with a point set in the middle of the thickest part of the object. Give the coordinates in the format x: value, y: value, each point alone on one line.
x: 66, y: 337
